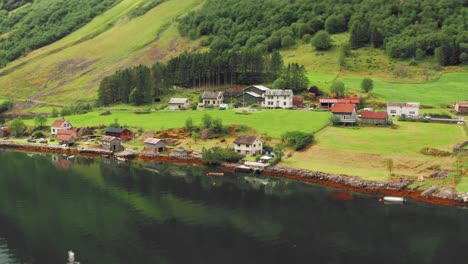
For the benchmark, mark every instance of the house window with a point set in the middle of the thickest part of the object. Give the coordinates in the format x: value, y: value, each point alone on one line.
x: 392, y: 111
x: 214, y: 102
x: 238, y: 145
x: 284, y: 97
x: 284, y: 103
x: 254, y: 145
x: 247, y: 145
x: 238, y: 151
x: 53, y: 130
x: 412, y: 113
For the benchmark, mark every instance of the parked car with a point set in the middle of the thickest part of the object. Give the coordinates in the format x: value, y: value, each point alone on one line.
x: 42, y: 140
x: 31, y: 140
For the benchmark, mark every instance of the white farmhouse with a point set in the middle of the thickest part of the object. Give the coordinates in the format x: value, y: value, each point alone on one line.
x: 212, y: 98
x: 407, y: 109
x: 59, y: 124
x: 179, y: 104
x: 248, y: 145
x: 282, y: 98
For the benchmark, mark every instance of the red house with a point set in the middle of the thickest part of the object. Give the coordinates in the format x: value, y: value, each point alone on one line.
x: 374, y: 118
x: 298, y: 101
x: 4, y: 132
x: 119, y: 132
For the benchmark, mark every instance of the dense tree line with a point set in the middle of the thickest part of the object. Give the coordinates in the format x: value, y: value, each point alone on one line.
x: 10, y: 5
x: 142, y: 84
x: 404, y: 29
x: 42, y: 23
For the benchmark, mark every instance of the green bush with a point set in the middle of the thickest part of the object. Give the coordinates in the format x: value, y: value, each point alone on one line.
x: 38, y: 134
x: 216, y: 155
x: 297, y: 140
x: 6, y: 105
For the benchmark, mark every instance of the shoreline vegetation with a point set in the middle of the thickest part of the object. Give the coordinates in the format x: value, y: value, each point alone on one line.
x: 432, y: 195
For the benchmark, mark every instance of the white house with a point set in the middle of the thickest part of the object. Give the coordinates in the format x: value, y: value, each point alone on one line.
x: 278, y: 98
x: 248, y: 145
x: 407, y: 109
x: 179, y: 104
x: 212, y: 98
x: 346, y: 113
x: 60, y: 124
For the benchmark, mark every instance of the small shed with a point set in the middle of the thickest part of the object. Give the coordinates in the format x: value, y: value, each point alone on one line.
x: 461, y: 108
x: 179, y: 152
x: 298, y: 101
x: 374, y: 118
x: 66, y: 137
x: 179, y: 104
x: 119, y: 132
x: 155, y: 144
x: 111, y: 143
x: 4, y: 132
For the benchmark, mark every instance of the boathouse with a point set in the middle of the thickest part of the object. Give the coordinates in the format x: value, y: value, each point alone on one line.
x: 111, y: 143
x: 119, y: 132
x: 155, y: 145
x: 4, y: 132
x: 66, y: 137
x: 374, y: 118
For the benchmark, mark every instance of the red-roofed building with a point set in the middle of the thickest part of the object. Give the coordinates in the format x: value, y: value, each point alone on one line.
x: 326, y: 103
x: 298, y: 101
x: 66, y: 137
x: 374, y: 118
x: 4, y: 132
x: 345, y: 113
x: 60, y: 124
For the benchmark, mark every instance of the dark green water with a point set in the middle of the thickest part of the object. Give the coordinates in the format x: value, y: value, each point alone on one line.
x: 169, y: 213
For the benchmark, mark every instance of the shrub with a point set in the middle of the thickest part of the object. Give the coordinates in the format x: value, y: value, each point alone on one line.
x: 6, y: 105
x: 298, y: 140
x: 321, y: 40
x: 194, y: 106
x: 216, y: 155
x: 209, y: 106
x: 38, y: 134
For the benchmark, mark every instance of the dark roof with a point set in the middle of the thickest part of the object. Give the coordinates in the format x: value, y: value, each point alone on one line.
x: 232, y: 94
x: 343, y: 108
x: 115, y: 130
x: 374, y: 115
x: 403, y: 104
x: 211, y: 95
x: 340, y: 101
x: 245, y: 139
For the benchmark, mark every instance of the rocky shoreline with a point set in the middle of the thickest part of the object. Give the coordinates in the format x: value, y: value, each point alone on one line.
x: 433, y: 195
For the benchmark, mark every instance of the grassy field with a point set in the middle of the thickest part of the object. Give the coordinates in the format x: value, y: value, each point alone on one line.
x: 71, y: 68
x: 271, y: 123
x: 365, y: 151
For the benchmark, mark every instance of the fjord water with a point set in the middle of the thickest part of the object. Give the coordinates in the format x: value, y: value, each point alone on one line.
x: 170, y: 213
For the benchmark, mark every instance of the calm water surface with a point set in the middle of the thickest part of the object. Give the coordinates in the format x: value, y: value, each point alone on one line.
x: 168, y: 213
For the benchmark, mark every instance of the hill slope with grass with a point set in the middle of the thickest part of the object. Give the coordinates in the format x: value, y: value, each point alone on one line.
x: 70, y: 69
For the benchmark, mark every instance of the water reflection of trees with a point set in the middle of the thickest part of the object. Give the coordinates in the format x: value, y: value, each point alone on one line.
x: 128, y: 214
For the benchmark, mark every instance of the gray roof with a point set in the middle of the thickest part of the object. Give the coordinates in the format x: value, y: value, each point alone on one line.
x: 115, y: 130
x: 245, y: 139
x: 260, y: 87
x: 178, y: 100
x: 109, y: 139
x: 250, y: 93
x: 279, y: 92
x: 404, y: 104
x: 153, y: 141
x: 211, y: 95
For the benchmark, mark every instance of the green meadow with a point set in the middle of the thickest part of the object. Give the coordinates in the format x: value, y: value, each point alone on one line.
x: 366, y: 151
x: 269, y: 123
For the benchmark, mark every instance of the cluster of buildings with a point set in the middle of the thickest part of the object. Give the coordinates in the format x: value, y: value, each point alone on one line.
x: 345, y: 111
x: 252, y: 95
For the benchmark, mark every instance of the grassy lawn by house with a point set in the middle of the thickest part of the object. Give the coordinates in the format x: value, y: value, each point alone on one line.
x: 269, y: 123
x: 365, y: 151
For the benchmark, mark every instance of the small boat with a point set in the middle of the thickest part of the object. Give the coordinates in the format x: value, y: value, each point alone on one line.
x: 122, y: 159
x: 215, y: 174
x: 71, y: 157
x: 394, y: 199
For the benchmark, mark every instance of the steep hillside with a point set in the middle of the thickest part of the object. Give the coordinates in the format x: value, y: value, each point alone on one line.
x: 72, y: 67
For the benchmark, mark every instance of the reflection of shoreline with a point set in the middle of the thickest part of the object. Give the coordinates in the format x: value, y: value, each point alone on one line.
x: 348, y: 183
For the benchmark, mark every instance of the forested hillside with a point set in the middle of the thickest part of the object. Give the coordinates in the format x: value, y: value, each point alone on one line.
x: 42, y: 23
x: 404, y: 29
